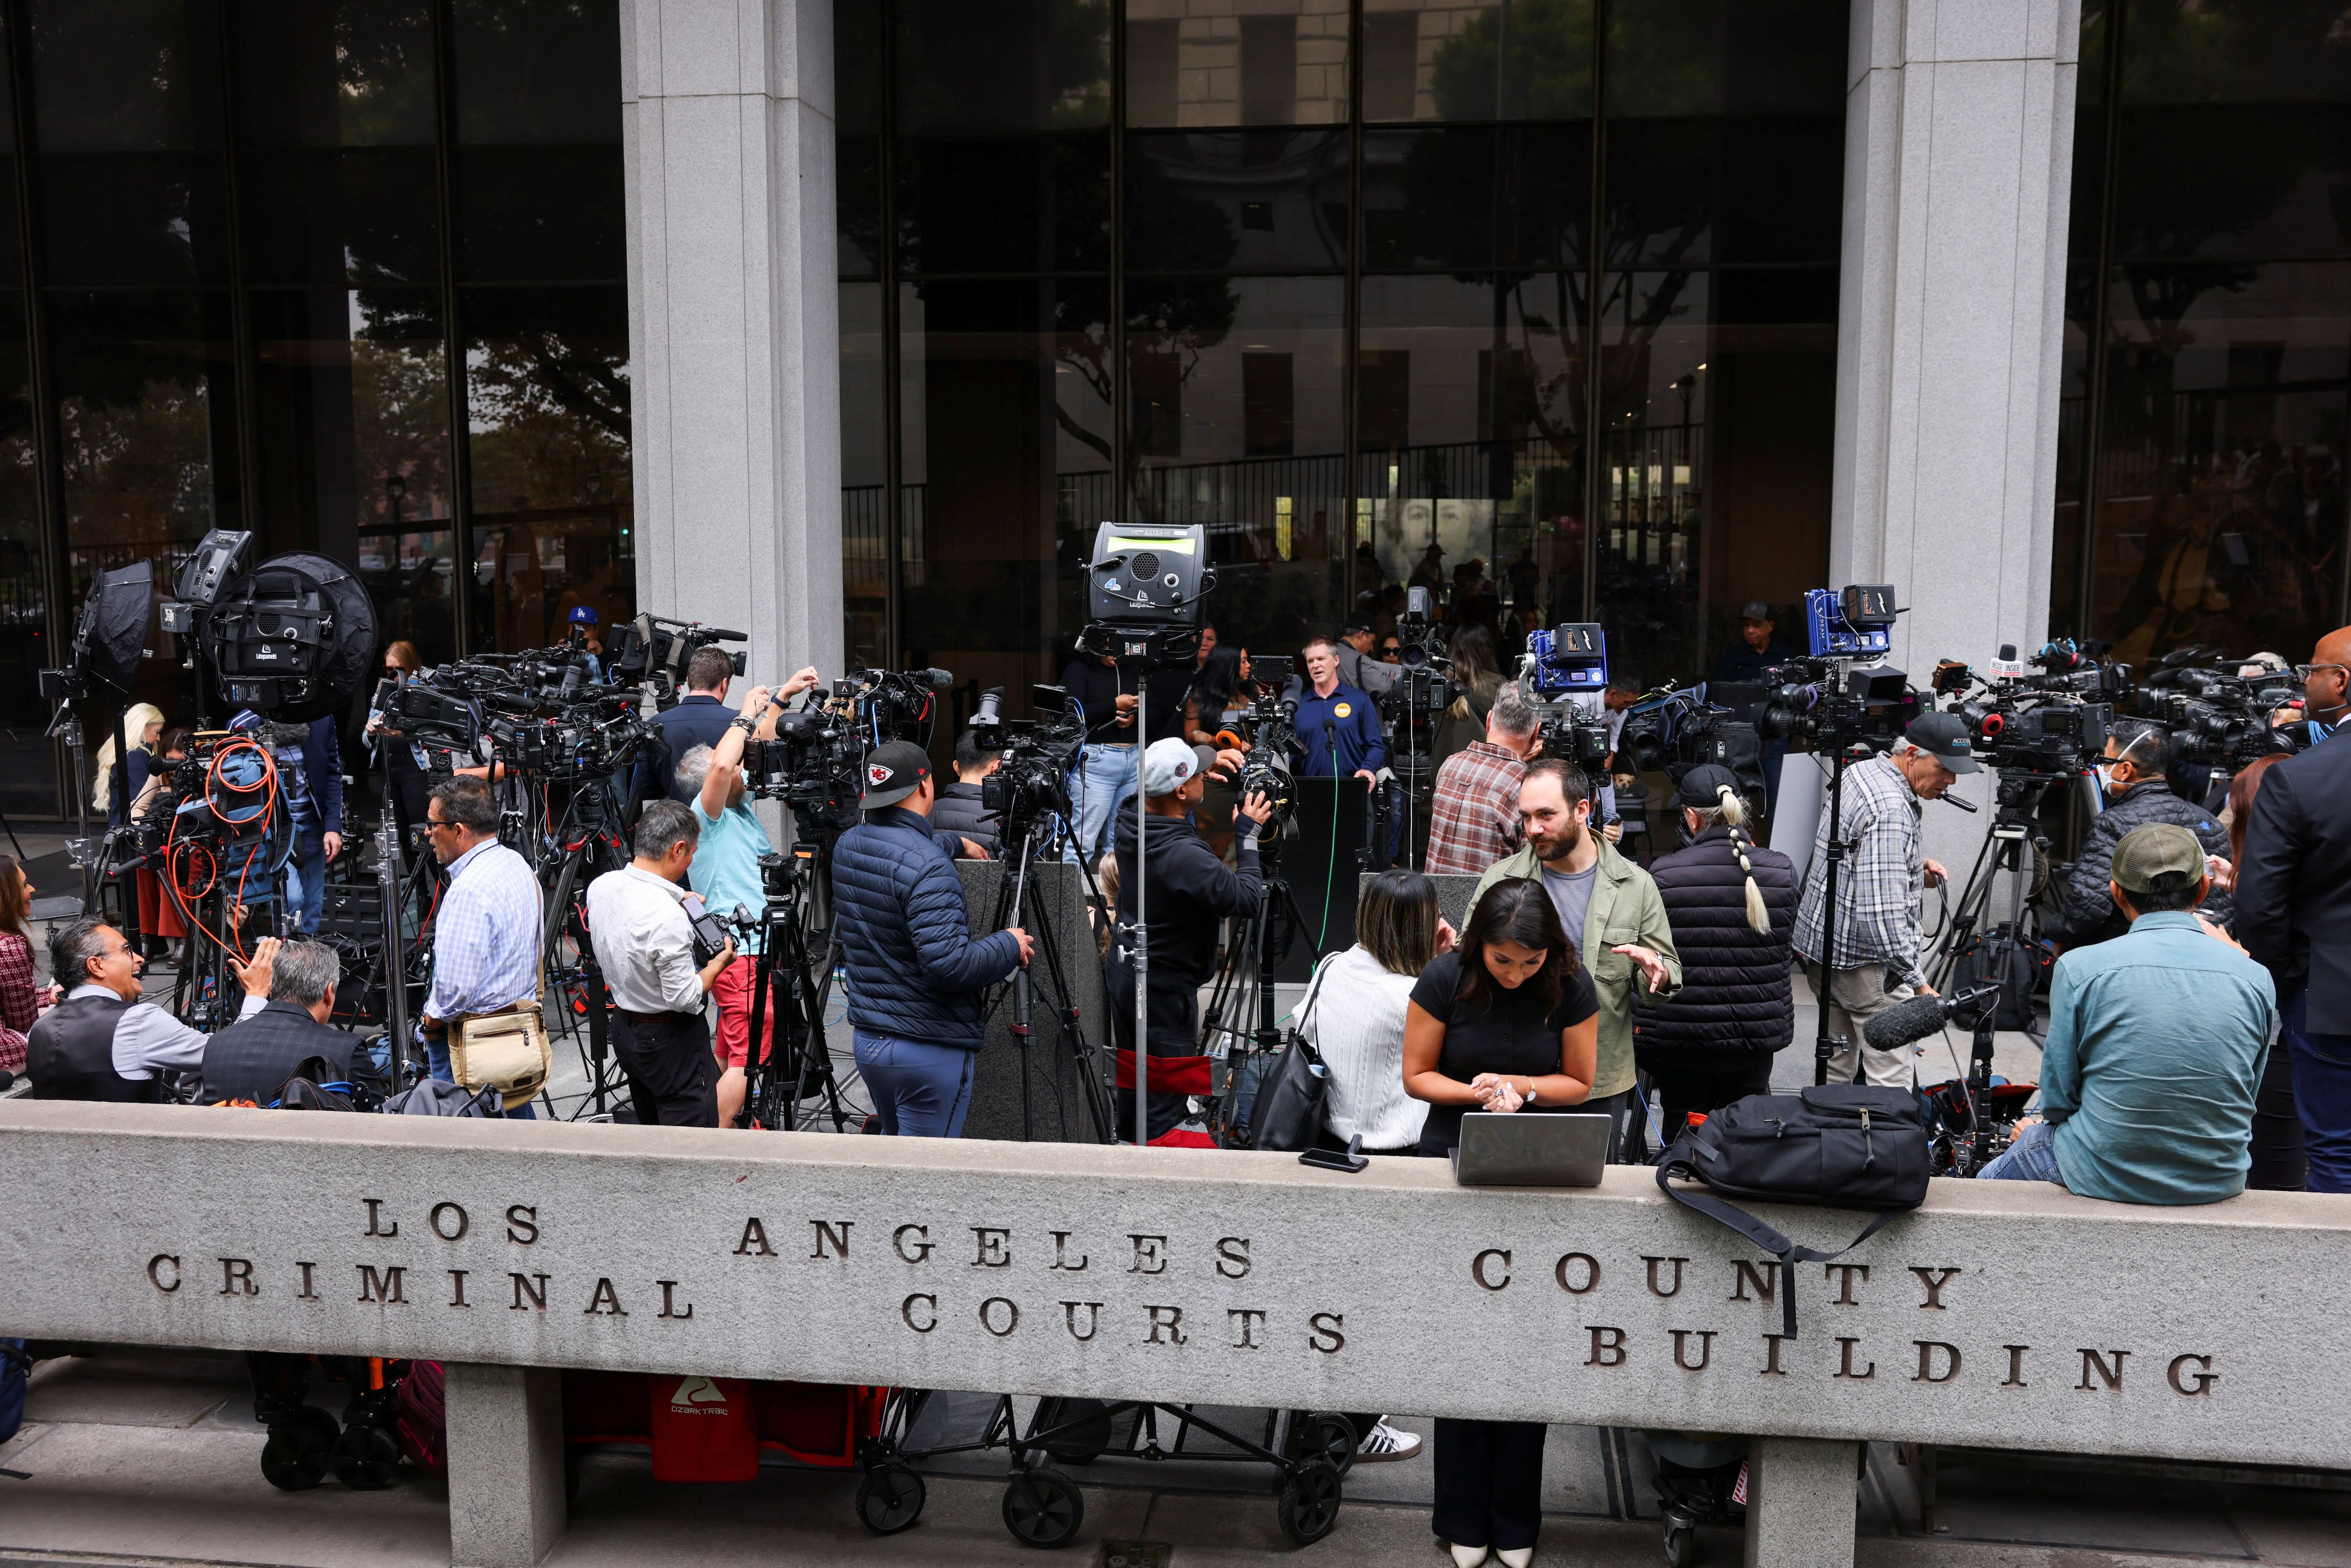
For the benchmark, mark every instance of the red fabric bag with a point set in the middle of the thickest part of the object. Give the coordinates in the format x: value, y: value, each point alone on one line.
x: 704, y: 1430
x: 420, y: 1416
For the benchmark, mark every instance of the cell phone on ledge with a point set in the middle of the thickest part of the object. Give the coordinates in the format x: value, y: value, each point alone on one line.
x: 1348, y: 1163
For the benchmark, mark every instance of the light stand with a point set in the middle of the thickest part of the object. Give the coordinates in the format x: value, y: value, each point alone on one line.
x: 388, y: 879
x: 1825, y: 1046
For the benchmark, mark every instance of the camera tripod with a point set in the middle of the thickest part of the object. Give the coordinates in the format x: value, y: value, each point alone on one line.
x: 781, y: 1077
x: 1016, y: 899
x: 2015, y: 829
x: 1244, y: 994
x: 573, y: 853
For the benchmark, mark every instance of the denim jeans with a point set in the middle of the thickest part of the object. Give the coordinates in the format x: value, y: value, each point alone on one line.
x: 2322, y: 1094
x: 1104, y: 776
x: 2031, y: 1158
x: 919, y: 1091
x: 306, y: 874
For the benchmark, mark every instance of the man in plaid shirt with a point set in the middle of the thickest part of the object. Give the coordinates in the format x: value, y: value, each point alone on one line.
x: 1474, y: 819
x: 1879, y: 887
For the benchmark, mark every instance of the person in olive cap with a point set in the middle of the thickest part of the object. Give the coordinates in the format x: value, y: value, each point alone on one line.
x: 915, y: 970
x: 1879, y: 889
x: 2157, y: 1042
x: 1732, y: 904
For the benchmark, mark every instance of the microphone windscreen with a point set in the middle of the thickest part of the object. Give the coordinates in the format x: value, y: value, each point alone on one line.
x: 941, y: 679
x: 1904, y: 1022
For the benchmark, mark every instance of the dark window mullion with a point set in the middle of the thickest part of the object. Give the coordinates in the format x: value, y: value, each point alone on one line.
x: 452, y: 339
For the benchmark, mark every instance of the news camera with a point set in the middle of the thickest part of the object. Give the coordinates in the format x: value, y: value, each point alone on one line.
x: 1569, y: 661
x: 2217, y: 717
x: 1035, y: 756
x: 654, y: 651
x: 1672, y: 731
x: 1267, y: 770
x: 1411, y: 709
x: 2045, y: 724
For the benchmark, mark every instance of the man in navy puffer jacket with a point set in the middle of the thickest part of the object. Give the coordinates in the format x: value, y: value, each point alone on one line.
x: 915, y: 970
x: 1733, y: 907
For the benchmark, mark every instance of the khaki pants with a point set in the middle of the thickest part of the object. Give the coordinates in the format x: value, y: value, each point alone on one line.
x: 1856, y: 996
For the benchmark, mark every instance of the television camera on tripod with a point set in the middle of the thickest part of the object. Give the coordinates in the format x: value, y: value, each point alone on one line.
x: 1412, y: 709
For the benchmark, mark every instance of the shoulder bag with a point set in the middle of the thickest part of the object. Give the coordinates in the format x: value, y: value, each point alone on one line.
x: 1843, y: 1146
x: 1289, y: 1106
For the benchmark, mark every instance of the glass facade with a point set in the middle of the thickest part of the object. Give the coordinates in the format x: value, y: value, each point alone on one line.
x: 2208, y: 334
x: 1532, y: 301
x: 261, y: 259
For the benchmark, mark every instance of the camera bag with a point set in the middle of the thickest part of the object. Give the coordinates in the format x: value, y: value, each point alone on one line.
x: 1288, y: 1115
x: 1843, y: 1146
x: 506, y: 1051
x: 2017, y: 968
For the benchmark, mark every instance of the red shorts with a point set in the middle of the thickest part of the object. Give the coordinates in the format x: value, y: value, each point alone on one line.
x: 732, y: 1046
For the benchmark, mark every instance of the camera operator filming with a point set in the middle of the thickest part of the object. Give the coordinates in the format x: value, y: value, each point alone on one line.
x: 1882, y: 879
x: 915, y: 972
x: 2135, y: 777
x: 1191, y: 893
x: 643, y: 927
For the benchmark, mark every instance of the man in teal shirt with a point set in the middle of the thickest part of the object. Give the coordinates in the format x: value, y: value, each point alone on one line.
x: 2155, y: 1045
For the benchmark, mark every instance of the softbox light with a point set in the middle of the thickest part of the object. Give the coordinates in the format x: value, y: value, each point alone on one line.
x: 294, y: 639
x: 110, y: 637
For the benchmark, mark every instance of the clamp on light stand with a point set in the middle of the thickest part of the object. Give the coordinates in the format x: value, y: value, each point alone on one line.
x: 1147, y: 588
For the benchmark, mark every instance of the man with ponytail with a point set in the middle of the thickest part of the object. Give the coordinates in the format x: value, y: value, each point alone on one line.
x: 1732, y: 906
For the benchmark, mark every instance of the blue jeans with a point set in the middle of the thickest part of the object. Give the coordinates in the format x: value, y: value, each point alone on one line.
x: 436, y: 1062
x: 306, y: 874
x: 919, y: 1091
x: 1104, y: 774
x: 2322, y: 1094
x: 2031, y: 1158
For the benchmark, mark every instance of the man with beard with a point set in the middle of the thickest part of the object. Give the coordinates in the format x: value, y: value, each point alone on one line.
x: 1611, y: 911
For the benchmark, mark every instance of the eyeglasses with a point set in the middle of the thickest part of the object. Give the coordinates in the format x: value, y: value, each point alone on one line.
x: 434, y: 824
x: 2304, y: 672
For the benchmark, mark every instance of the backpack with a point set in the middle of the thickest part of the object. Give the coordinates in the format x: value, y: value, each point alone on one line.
x: 2025, y: 965
x: 421, y: 1417
x: 432, y: 1097
x: 1844, y: 1146
x: 16, y: 1368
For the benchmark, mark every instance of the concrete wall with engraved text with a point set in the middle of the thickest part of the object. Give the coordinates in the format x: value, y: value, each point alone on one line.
x: 2005, y: 1313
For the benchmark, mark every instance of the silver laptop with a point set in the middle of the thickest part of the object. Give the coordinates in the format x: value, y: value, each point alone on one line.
x: 1545, y: 1149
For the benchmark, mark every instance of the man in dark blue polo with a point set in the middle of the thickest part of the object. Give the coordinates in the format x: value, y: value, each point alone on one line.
x: 1338, y: 724
x: 698, y: 718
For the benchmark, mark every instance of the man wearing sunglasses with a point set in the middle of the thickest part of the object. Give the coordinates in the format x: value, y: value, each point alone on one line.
x: 486, y: 931
x: 2293, y: 911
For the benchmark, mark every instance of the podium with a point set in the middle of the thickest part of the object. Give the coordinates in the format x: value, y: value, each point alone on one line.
x: 1322, y: 864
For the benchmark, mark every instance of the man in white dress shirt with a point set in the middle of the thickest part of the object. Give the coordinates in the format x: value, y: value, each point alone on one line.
x: 637, y: 920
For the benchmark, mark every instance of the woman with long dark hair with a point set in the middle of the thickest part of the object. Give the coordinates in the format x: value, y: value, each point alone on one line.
x: 1507, y: 1021
x: 1212, y: 717
x: 1478, y: 672
x: 20, y: 1002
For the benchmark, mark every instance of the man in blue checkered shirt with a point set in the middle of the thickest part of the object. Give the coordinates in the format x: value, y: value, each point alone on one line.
x: 486, y: 931
x: 1879, y: 887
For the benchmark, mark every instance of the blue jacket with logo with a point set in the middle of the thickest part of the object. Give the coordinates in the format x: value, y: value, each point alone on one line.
x: 915, y: 971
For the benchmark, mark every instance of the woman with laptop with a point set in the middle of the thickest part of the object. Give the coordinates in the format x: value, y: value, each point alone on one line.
x: 1508, y: 1021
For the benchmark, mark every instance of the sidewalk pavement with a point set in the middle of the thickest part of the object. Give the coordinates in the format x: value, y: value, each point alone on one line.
x: 153, y: 1457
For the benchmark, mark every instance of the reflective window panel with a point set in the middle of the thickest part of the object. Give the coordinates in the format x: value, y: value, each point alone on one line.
x: 1197, y: 63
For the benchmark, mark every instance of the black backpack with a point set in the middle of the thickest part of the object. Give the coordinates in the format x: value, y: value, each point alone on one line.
x: 1844, y: 1146
x: 2020, y: 968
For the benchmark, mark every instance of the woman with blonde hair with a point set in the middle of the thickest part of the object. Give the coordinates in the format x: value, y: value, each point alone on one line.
x: 143, y: 726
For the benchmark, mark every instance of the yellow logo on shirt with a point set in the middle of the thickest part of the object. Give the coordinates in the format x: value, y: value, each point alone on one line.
x: 1342, y: 710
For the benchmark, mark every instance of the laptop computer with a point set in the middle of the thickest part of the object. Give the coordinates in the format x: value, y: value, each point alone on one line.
x: 1542, y: 1149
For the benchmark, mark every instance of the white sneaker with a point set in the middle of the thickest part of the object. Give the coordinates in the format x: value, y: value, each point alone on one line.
x: 1467, y: 1556
x: 1385, y: 1442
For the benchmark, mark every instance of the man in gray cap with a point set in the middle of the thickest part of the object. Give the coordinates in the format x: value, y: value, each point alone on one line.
x: 2157, y: 1042
x: 1755, y: 652
x: 1879, y: 888
x: 915, y: 971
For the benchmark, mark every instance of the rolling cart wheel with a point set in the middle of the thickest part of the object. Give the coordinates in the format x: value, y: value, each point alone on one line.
x: 365, y: 1457
x: 1089, y: 1429
x: 1308, y: 1507
x: 295, y: 1458
x: 1043, y: 1508
x: 1323, y: 1436
x: 1681, y: 1546
x: 890, y: 1498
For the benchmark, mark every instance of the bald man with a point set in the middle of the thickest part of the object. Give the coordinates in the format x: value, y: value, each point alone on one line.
x: 2326, y: 685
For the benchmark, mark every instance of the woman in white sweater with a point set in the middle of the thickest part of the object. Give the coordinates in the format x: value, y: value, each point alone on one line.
x: 1356, y: 1019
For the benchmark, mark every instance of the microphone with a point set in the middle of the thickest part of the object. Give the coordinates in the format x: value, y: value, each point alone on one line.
x: 720, y: 634
x: 940, y: 680
x: 1905, y: 1022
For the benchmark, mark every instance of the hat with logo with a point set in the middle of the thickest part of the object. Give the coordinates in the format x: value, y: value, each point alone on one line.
x: 1756, y: 611
x: 1168, y: 766
x: 892, y: 772
x: 2160, y: 857
x: 583, y: 615
x: 1944, y: 736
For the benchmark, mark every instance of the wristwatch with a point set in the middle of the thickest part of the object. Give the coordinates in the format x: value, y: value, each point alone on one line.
x: 1529, y: 1097
x: 745, y: 723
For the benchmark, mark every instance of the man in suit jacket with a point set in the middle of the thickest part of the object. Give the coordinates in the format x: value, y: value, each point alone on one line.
x: 253, y: 1057
x: 2293, y: 913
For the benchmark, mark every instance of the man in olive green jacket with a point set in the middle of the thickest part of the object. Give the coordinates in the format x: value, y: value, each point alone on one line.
x: 1623, y: 934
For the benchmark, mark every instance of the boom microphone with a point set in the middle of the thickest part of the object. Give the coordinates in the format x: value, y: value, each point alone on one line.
x: 940, y: 680
x: 1905, y: 1022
